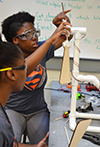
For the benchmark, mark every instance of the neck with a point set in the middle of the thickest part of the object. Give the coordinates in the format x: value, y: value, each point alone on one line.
x: 26, y: 54
x: 4, y: 95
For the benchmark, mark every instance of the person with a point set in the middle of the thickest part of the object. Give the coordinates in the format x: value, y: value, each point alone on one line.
x: 27, y: 109
x: 13, y: 73
x: 12, y: 78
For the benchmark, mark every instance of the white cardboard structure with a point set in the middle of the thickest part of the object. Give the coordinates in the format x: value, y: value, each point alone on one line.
x: 78, y: 32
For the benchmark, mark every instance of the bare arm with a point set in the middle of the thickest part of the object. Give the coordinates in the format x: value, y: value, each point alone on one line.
x: 34, y: 59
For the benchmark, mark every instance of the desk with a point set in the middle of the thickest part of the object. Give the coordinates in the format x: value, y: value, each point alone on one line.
x: 60, y: 102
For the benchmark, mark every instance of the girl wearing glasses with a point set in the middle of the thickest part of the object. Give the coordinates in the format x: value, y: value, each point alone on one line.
x: 27, y: 109
x: 12, y: 79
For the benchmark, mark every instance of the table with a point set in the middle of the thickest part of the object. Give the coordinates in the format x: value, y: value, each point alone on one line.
x: 60, y: 102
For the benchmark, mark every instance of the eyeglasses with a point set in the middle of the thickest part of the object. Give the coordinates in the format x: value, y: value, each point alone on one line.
x: 23, y: 67
x: 27, y: 35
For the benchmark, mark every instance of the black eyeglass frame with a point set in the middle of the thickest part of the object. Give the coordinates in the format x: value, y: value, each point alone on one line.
x: 22, y: 67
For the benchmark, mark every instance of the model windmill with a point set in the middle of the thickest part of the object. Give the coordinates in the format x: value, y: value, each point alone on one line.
x: 65, y: 78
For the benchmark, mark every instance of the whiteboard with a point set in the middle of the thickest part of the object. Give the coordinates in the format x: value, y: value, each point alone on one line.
x: 84, y: 13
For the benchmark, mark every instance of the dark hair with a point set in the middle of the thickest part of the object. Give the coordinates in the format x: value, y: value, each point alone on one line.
x: 9, y: 54
x: 12, y: 24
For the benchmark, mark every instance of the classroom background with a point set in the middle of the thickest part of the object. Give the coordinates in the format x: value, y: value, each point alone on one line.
x: 84, y: 13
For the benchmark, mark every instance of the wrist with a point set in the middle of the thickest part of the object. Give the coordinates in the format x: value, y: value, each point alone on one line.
x: 49, y: 41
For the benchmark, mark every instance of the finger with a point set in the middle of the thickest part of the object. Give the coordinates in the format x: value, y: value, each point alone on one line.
x: 67, y: 11
x: 65, y: 24
x: 45, y: 138
x: 65, y: 19
x: 66, y: 32
x: 68, y: 28
x: 63, y: 27
x: 62, y: 32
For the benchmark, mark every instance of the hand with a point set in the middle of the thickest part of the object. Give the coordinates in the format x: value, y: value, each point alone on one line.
x: 60, y: 17
x: 42, y: 143
x: 60, y: 33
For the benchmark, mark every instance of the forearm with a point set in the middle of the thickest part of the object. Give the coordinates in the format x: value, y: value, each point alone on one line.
x: 58, y: 43
x: 34, y: 59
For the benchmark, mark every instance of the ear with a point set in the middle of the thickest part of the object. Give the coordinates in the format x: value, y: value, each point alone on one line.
x: 15, y: 41
x: 11, y: 75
